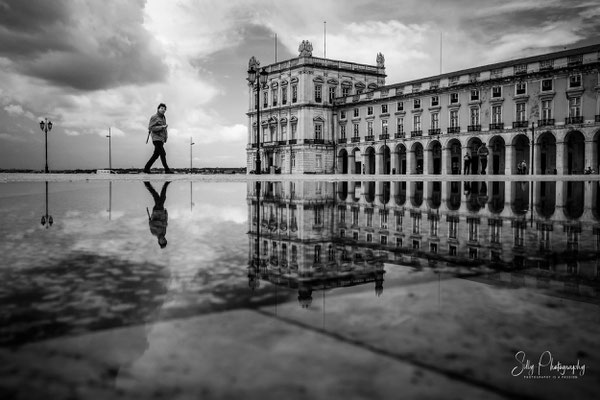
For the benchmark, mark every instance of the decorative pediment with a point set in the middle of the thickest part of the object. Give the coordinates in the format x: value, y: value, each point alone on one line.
x: 372, y: 86
x: 294, y: 79
x: 283, y: 121
x: 318, y: 118
x: 284, y: 82
x: 318, y: 79
x: 274, y: 85
x: 272, y: 120
x: 293, y: 119
x: 346, y: 84
x: 332, y: 81
x: 264, y: 123
x: 359, y: 85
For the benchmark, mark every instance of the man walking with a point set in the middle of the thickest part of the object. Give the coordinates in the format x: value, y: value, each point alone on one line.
x: 157, y: 127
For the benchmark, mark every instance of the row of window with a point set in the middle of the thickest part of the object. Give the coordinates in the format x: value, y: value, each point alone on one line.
x: 496, y: 119
x: 546, y: 85
x: 318, y: 94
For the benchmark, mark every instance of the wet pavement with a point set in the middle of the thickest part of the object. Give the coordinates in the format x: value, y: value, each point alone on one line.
x: 299, y: 289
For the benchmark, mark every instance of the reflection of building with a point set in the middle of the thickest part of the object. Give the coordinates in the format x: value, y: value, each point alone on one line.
x: 310, y: 228
x: 428, y: 125
x: 293, y: 243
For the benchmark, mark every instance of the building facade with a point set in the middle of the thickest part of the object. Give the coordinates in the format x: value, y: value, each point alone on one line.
x: 538, y: 115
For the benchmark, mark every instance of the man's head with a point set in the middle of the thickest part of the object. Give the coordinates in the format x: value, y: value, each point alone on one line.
x: 162, y: 107
x: 162, y: 242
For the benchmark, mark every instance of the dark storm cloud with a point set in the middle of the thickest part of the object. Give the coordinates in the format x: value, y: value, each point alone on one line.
x: 82, y: 44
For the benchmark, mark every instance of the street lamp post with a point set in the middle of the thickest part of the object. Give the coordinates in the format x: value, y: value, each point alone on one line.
x: 262, y: 80
x: 46, y: 126
x: 109, y: 151
x: 191, y: 144
x: 532, y: 148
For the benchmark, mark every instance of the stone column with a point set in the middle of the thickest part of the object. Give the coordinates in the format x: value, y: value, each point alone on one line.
x: 508, y: 161
x: 379, y: 162
x: 410, y: 159
x: 446, y: 158
x: 394, y: 162
x: 560, y: 158
x: 589, y: 155
x: 426, y: 159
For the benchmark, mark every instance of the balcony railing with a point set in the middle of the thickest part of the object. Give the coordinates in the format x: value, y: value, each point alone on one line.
x: 370, y: 138
x: 435, y: 131
x: 282, y: 142
x: 292, y: 141
x: 384, y: 136
x: 520, y: 124
x: 416, y: 133
x: 574, y: 120
x: 473, y: 128
x: 454, y: 129
x: 399, y: 135
x: 546, y: 122
x: 314, y: 141
x: 356, y: 139
x: 497, y: 125
x: 342, y: 140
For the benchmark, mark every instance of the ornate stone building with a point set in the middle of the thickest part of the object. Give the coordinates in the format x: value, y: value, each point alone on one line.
x: 327, y: 116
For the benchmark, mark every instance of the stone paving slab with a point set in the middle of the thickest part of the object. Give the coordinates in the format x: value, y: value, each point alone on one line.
x: 465, y: 330
x: 230, y: 355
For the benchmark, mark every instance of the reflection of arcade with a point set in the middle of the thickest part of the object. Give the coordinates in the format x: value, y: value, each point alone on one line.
x: 292, y: 243
x: 549, y: 231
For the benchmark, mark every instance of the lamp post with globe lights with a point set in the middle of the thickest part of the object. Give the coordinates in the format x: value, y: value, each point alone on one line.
x: 191, y: 144
x: 46, y: 126
x: 253, y: 71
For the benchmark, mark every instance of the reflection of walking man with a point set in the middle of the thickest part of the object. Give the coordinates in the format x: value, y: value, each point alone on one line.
x: 157, y: 127
x: 158, y: 219
x: 483, y: 152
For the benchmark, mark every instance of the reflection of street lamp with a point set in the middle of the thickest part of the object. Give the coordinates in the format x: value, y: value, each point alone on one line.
x: 191, y: 144
x: 109, y: 151
x: 46, y: 126
x: 47, y: 220
x: 262, y: 80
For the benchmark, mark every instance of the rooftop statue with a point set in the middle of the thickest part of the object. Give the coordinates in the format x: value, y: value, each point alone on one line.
x: 253, y: 63
x: 380, y: 60
x: 305, y: 49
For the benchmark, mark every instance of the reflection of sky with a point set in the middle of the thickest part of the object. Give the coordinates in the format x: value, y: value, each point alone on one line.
x: 205, y: 241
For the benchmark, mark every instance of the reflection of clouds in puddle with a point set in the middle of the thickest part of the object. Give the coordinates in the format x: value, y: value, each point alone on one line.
x: 210, y: 212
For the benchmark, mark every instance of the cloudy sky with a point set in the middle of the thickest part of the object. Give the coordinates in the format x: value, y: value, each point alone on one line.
x: 89, y: 65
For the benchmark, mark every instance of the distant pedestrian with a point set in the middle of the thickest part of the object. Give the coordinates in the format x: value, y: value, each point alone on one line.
x: 157, y: 127
x: 522, y: 168
x: 467, y: 163
x: 483, y: 153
